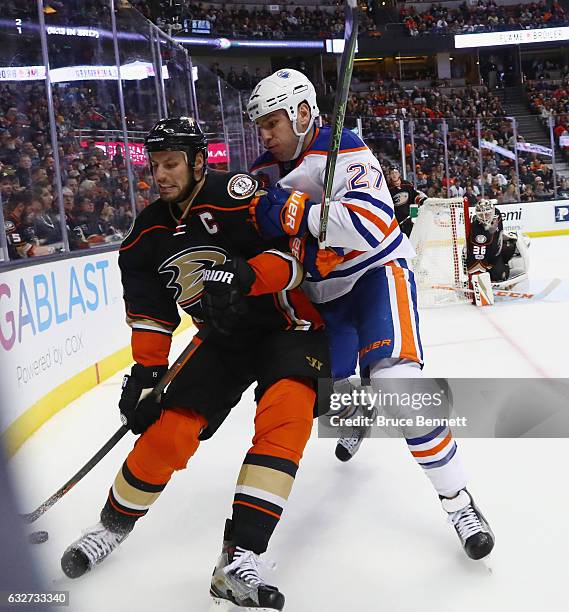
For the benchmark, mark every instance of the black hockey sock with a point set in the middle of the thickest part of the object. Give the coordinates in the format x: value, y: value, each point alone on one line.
x: 262, y: 489
x: 129, y: 499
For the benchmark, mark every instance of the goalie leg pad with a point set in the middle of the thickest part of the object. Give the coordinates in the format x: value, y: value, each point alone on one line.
x: 482, y: 286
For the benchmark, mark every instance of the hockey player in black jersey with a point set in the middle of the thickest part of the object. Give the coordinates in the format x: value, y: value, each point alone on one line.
x: 404, y: 196
x: 489, y: 248
x: 197, y: 247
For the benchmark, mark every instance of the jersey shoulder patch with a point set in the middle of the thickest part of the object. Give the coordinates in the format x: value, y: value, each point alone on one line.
x: 241, y: 186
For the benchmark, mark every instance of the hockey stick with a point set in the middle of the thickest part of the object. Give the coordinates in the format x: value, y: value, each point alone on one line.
x: 344, y: 78
x: 509, y: 294
x: 113, y: 440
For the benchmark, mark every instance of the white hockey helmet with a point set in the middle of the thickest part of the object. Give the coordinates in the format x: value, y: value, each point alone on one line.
x: 485, y: 211
x: 284, y: 90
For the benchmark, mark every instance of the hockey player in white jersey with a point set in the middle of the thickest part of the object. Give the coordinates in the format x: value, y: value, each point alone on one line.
x: 362, y: 283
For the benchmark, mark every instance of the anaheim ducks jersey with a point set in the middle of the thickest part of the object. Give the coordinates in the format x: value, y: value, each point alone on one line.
x: 484, y: 246
x: 403, y: 196
x: 162, y: 264
x: 361, y: 218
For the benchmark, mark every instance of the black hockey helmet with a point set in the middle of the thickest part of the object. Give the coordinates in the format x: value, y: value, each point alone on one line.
x: 178, y: 134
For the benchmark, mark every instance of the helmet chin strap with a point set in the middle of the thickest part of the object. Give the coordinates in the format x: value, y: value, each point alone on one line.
x: 186, y: 200
x: 301, y: 137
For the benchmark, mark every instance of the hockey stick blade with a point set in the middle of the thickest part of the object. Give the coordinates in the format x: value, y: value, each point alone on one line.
x: 509, y: 294
x: 344, y: 80
x: 114, y: 439
x: 48, y: 503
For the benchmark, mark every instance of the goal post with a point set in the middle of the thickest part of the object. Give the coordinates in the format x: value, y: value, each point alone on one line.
x: 439, y: 237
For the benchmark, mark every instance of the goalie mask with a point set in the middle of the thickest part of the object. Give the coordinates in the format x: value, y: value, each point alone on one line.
x: 485, y: 211
x: 284, y: 90
x: 178, y: 134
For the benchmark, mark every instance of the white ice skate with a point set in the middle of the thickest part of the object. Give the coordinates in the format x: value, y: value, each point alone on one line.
x: 94, y: 546
x: 471, y: 527
x: 236, y: 583
x: 362, y: 416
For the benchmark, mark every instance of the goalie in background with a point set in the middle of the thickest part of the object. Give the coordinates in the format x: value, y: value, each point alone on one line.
x: 490, y: 249
x: 406, y: 199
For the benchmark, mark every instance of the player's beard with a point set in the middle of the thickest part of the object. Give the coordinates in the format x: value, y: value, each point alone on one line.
x: 181, y: 197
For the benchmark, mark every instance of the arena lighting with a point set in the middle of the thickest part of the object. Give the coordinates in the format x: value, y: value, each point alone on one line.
x: 134, y: 71
x: 336, y: 45
x: 226, y: 43
x: 195, y: 41
x: 369, y: 59
x: 511, y: 37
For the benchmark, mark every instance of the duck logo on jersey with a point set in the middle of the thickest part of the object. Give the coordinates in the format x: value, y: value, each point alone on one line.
x: 241, y: 186
x: 187, y: 269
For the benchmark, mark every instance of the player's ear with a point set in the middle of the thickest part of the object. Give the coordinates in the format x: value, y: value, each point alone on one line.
x: 198, y: 166
x: 304, y: 115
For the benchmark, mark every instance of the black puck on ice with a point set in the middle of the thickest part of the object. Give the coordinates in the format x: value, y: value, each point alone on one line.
x: 38, y: 537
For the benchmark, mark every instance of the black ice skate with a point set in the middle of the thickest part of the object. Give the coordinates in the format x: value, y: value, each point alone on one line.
x: 364, y: 416
x: 472, y: 528
x: 94, y: 546
x: 236, y: 582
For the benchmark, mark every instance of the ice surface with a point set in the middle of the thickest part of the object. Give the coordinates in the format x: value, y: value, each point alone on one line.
x: 365, y: 536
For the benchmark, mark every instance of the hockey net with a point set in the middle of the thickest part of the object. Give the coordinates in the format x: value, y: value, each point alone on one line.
x: 439, y: 236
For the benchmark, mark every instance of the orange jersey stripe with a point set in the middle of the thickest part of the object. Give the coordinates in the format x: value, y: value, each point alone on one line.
x: 433, y: 451
x: 149, y: 229
x: 140, y: 513
x: 242, y: 503
x: 354, y: 150
x: 352, y: 255
x: 237, y: 208
x: 408, y: 348
x: 377, y: 221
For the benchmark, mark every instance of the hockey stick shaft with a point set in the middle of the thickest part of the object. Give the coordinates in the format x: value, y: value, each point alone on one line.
x: 113, y: 440
x: 343, y: 90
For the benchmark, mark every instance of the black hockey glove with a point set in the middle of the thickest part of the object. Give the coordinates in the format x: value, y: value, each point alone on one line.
x: 224, y: 297
x: 139, y: 409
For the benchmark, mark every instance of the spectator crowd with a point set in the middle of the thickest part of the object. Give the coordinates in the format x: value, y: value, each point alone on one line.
x: 440, y: 114
x: 483, y: 16
x: 95, y: 185
x: 551, y: 99
x: 323, y: 20
x: 225, y: 19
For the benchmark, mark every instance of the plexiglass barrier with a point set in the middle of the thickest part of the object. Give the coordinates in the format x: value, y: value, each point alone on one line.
x: 79, y: 90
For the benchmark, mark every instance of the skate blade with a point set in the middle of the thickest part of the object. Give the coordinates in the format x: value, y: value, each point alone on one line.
x: 222, y: 605
x: 487, y: 563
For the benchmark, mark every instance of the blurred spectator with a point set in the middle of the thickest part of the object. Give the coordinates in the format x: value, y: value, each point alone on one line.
x: 482, y: 16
